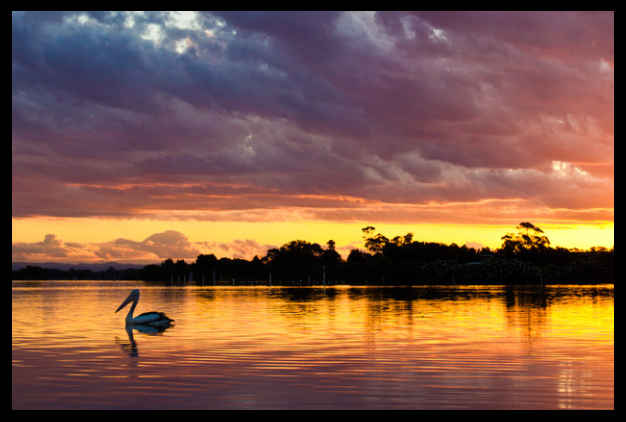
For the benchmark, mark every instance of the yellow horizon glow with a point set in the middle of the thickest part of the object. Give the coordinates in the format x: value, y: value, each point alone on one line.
x: 99, y: 230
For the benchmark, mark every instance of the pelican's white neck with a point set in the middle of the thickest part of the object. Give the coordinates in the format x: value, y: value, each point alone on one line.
x: 129, y: 316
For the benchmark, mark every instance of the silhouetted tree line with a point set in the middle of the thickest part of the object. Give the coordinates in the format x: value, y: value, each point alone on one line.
x: 525, y: 257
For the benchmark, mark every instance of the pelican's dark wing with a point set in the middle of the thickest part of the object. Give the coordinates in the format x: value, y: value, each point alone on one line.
x: 151, y: 318
x: 147, y: 329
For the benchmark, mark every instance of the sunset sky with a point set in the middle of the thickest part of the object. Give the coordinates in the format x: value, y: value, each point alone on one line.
x: 141, y: 136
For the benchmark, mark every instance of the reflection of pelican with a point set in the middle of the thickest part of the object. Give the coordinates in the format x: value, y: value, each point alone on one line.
x: 133, y: 346
x: 154, y: 320
x: 145, y: 329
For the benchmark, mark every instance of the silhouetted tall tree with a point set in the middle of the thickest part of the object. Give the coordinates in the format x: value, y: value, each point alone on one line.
x: 524, y: 243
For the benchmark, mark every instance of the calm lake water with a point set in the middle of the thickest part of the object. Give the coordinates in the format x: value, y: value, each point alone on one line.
x: 471, y: 347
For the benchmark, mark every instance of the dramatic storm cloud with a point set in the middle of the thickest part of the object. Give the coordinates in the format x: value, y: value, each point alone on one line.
x: 324, y: 115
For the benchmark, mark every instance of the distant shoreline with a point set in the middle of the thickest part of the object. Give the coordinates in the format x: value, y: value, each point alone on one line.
x: 263, y: 283
x: 525, y: 258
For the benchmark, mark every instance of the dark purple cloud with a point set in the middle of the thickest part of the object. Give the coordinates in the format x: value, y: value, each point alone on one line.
x: 233, y: 111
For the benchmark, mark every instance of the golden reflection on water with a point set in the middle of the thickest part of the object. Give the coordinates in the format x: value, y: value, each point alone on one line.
x: 336, y: 347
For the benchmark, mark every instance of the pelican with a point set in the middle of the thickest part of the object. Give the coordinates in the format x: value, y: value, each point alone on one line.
x: 152, y: 319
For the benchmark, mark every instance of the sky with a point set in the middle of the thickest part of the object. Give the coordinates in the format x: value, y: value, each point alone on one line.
x: 141, y: 136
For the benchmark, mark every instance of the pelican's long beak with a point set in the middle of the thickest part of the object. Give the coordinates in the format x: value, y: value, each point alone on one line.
x: 126, y: 302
